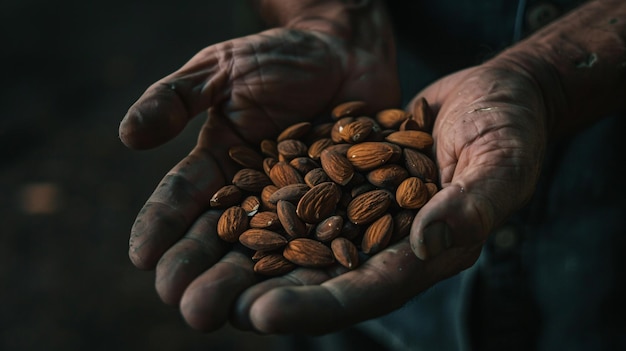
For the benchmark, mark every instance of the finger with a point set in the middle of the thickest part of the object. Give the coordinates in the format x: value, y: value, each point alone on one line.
x: 298, y: 277
x: 164, y: 109
x: 208, y: 301
x: 195, y: 252
x: 381, y: 284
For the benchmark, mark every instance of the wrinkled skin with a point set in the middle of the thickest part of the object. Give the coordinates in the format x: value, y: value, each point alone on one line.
x: 489, y: 142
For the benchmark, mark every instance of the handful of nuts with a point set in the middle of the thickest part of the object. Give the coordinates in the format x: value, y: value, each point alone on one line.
x: 324, y: 194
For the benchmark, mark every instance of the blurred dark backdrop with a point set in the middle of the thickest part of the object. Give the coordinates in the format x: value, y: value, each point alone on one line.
x: 69, y: 190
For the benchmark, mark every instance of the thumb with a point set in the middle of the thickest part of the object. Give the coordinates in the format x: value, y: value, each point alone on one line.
x: 453, y: 218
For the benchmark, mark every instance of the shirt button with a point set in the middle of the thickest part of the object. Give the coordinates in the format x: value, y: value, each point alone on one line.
x: 541, y: 14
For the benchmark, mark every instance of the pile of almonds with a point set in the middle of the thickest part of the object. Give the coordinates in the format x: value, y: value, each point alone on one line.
x: 324, y: 194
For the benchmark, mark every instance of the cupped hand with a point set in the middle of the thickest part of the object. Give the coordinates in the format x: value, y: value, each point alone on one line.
x: 252, y: 87
x: 490, y: 136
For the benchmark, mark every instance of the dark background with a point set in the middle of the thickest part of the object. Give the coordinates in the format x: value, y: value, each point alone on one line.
x: 69, y: 189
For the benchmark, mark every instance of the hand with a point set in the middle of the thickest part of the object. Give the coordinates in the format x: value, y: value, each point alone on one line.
x: 252, y: 87
x: 490, y: 136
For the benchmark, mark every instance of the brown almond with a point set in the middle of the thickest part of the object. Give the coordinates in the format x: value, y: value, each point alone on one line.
x: 329, y: 228
x: 316, y: 176
x: 391, y: 118
x: 356, y: 131
x: 432, y: 189
x: 361, y: 188
x: 351, y: 231
x: 412, y: 193
x: 273, y: 265
x: 251, y: 204
x: 319, y: 202
x: 335, y: 132
x: 265, y: 220
x: 291, y: 148
x: 345, y: 252
x: 226, y: 196
x: 268, y: 163
x: 423, y: 115
x: 232, y: 223
x: 307, y: 252
x: 291, y: 193
x: 419, y: 165
x: 293, y: 225
x: 303, y: 164
x: 337, y: 167
x: 377, y: 235
x: 402, y: 222
x: 262, y: 239
x: 268, y: 148
x: 387, y: 176
x: 249, y: 179
x: 283, y: 174
x: 415, y: 139
x: 315, y: 149
x: 266, y: 193
x: 350, y: 108
x: 369, y: 206
x: 369, y: 155
x: 246, y: 157
x: 295, y: 131
x: 409, y: 124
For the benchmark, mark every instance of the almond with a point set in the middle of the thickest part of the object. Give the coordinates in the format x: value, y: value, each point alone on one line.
x: 251, y: 204
x: 266, y: 193
x: 273, y: 265
x: 329, y: 228
x: 307, y: 252
x: 387, y: 176
x: 369, y: 155
x: 265, y: 220
x: 369, y: 206
x: 294, y: 131
x: 315, y: 149
x: 291, y: 148
x: 423, y: 115
x: 268, y: 148
x: 232, y: 223
x: 419, y: 165
x: 249, y: 179
x: 432, y: 189
x: 411, y: 193
x: 319, y: 202
x: 303, y: 164
x: 391, y: 118
x: 356, y: 131
x: 226, y: 196
x: 409, y: 124
x: 268, y: 163
x: 345, y: 252
x: 377, y: 235
x: 335, y: 132
x: 262, y: 239
x: 316, y: 176
x: 293, y: 225
x: 402, y: 222
x: 291, y: 193
x: 350, y: 108
x: 319, y: 131
x: 415, y: 139
x: 337, y: 167
x: 246, y: 157
x: 283, y: 174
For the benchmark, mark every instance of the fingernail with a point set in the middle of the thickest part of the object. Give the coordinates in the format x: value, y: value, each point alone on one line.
x: 436, y: 238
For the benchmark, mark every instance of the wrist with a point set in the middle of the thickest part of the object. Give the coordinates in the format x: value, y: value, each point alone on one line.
x: 578, y: 63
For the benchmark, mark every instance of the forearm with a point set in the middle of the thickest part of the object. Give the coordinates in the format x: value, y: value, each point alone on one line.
x: 364, y: 23
x: 580, y: 63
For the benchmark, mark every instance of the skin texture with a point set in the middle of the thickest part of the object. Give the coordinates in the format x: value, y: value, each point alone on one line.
x: 492, y: 128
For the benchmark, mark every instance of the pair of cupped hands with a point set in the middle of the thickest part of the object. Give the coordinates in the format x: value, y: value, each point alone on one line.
x: 489, y: 139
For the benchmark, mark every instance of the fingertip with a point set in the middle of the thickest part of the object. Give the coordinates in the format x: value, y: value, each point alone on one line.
x: 433, y: 239
x: 157, y: 117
